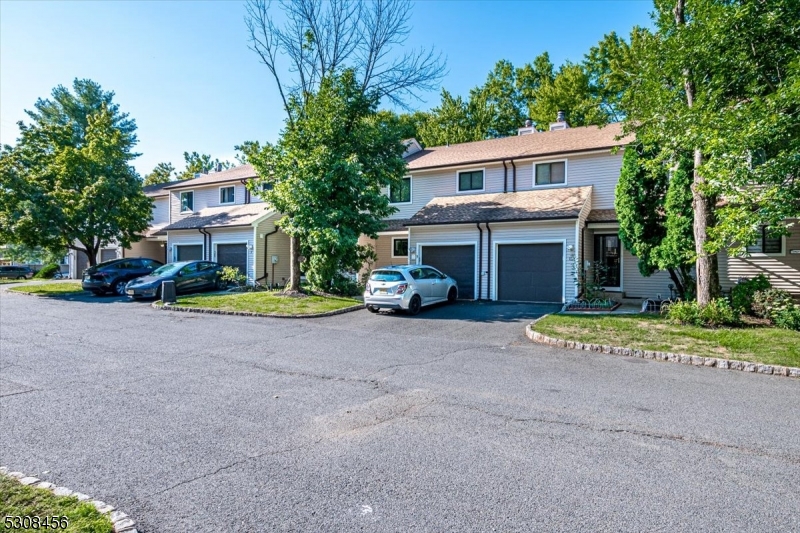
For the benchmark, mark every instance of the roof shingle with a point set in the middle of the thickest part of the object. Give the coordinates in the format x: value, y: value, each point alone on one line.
x: 544, y: 143
x: 562, y: 202
x: 233, y: 174
x: 602, y: 215
x: 216, y: 217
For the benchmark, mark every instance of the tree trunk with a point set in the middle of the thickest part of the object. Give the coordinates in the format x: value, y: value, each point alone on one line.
x: 676, y: 279
x: 294, y: 265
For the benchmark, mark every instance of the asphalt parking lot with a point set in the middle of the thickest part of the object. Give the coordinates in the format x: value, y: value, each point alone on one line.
x: 448, y: 421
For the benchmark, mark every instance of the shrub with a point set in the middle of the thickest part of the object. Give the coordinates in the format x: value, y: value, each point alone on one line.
x: 742, y: 293
x: 788, y: 318
x: 47, y: 271
x: 770, y: 302
x: 345, y: 286
x: 717, y: 313
x: 233, y: 276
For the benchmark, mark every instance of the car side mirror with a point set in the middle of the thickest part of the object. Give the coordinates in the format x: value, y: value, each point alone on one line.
x: 179, y: 274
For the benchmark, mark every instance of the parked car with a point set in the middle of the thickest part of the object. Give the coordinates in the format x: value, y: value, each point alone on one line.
x: 408, y: 287
x: 189, y: 276
x: 112, y: 276
x: 16, y: 272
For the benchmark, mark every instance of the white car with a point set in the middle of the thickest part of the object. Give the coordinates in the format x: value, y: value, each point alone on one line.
x: 408, y: 287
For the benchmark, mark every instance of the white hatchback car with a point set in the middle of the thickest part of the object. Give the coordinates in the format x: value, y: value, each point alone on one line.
x: 408, y: 287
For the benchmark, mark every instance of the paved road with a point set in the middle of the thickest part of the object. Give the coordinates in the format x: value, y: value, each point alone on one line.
x: 450, y: 421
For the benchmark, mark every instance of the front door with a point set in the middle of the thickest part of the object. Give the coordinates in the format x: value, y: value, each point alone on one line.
x: 607, y: 256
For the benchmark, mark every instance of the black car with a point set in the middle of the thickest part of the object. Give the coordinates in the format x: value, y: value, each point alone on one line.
x: 16, y: 272
x: 189, y: 276
x: 112, y: 276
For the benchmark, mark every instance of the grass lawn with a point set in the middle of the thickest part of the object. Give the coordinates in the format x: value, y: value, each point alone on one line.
x: 266, y: 302
x: 649, y: 332
x: 51, y: 289
x: 20, y: 500
x: 4, y: 281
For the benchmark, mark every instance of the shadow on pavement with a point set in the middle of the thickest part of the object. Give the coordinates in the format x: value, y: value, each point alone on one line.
x: 482, y: 311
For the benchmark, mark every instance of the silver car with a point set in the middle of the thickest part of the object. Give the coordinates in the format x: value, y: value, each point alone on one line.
x: 408, y: 287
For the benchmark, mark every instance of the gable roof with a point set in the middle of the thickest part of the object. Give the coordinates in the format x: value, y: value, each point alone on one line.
x: 157, y: 189
x: 544, y: 204
x: 566, y: 141
x: 217, y: 217
x: 232, y: 174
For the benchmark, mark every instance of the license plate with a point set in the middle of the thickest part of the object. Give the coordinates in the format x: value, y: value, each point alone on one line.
x: 381, y: 291
x: 130, y: 292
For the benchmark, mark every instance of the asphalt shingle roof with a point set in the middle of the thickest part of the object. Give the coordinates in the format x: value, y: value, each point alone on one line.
x: 159, y: 189
x: 396, y: 224
x: 544, y: 143
x: 216, y: 217
x: 234, y: 174
x: 602, y: 215
x: 557, y: 203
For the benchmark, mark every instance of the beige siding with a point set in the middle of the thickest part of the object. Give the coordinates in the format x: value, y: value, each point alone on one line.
x: 150, y: 249
x: 276, y: 244
x: 783, y: 270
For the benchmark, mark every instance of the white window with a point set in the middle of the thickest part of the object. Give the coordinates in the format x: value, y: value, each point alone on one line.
x: 470, y: 180
x: 553, y: 173
x: 227, y: 195
x: 402, y: 193
x: 399, y: 247
x: 187, y: 201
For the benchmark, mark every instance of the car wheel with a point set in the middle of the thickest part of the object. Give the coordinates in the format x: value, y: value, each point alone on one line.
x: 372, y: 309
x: 452, y: 295
x: 119, y: 287
x: 414, y: 305
x: 21, y: 277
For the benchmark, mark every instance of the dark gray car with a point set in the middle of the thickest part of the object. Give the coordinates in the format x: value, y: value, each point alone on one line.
x: 16, y: 272
x: 189, y: 276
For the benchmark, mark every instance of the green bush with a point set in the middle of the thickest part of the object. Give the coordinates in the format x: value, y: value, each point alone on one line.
x: 742, y: 293
x: 47, y: 271
x: 770, y: 302
x: 717, y: 313
x: 788, y: 318
x: 233, y: 276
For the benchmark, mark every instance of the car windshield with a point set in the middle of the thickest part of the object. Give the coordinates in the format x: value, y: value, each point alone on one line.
x: 168, y: 269
x: 386, y: 275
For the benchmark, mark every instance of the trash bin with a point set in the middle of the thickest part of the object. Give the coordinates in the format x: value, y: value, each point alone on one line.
x: 168, y: 292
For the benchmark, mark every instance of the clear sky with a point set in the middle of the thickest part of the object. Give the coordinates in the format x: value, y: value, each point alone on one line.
x: 184, y: 73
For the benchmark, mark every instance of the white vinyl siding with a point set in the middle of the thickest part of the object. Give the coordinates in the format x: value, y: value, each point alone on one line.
x: 209, y: 196
x: 243, y: 235
x: 178, y: 238
x: 160, y: 210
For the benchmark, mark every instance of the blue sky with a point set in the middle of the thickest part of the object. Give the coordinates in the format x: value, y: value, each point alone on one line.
x: 184, y: 73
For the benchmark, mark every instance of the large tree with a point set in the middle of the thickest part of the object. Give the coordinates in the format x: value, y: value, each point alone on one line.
x: 161, y: 173
x: 200, y: 164
x: 718, y: 79
x: 68, y: 182
x: 305, y: 42
x: 653, y: 204
x: 327, y: 173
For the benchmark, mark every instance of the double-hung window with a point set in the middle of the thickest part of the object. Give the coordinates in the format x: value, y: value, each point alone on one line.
x: 401, y: 194
x: 551, y: 173
x: 187, y: 201
x: 765, y: 244
x: 471, y: 180
x: 227, y: 195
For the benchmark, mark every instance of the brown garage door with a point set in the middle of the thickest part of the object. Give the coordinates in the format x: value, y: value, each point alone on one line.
x: 458, y: 262
x: 530, y: 272
x: 107, y: 254
x: 234, y: 255
x: 189, y: 252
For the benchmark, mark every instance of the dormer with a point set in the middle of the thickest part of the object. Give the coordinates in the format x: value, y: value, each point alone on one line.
x: 412, y: 147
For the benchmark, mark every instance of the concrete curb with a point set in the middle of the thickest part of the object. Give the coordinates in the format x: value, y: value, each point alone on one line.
x: 122, y: 522
x: 170, y: 307
x: 694, y: 360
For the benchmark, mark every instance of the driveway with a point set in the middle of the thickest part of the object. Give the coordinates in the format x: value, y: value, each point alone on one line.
x: 448, y: 421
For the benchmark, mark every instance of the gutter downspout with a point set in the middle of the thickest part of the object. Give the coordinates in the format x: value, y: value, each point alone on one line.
x: 480, y: 260
x: 489, y: 261
x: 514, y: 174
x: 206, y: 247
x: 266, y: 247
x: 505, y: 177
x: 246, y: 191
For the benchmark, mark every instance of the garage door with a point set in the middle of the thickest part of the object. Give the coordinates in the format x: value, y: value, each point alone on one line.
x: 189, y: 252
x: 458, y: 262
x: 234, y: 255
x: 107, y: 254
x: 530, y: 272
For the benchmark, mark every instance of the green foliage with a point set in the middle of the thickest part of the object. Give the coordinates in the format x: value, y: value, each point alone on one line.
x: 32, y: 255
x: 200, y: 164
x: 788, y: 318
x: 591, y: 280
x: 233, y: 276
x: 744, y: 291
x: 162, y: 173
x: 327, y: 174
x: 69, y: 181
x: 717, y: 313
x: 47, y: 271
x: 654, y: 209
x: 768, y: 303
